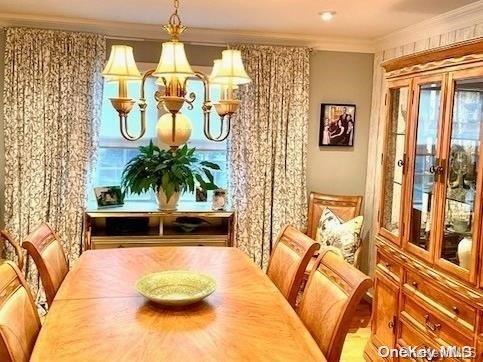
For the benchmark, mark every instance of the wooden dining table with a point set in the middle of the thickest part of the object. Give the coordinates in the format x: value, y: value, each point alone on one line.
x: 97, y: 315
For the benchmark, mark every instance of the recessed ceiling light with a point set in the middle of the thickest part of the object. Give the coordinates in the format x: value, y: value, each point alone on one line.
x: 327, y: 15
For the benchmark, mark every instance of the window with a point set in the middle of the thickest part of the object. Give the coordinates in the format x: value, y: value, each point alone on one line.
x: 115, y: 152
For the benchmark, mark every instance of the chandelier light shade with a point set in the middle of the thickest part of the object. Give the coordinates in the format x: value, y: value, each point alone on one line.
x: 215, y: 70
x: 173, y: 61
x: 173, y: 133
x: 121, y: 64
x: 232, y: 70
x: 172, y: 73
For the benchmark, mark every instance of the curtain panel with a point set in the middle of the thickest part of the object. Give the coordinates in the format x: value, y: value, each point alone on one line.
x: 268, y: 147
x: 52, y: 102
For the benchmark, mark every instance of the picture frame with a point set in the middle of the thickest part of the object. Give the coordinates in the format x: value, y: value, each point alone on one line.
x: 337, y: 125
x: 109, y: 196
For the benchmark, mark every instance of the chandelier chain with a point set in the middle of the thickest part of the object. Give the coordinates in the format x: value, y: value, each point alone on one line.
x: 174, y: 18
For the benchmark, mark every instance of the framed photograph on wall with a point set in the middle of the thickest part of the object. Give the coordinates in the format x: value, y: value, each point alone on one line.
x: 337, y: 124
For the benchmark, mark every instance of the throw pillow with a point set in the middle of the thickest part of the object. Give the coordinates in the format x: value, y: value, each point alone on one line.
x: 345, y: 236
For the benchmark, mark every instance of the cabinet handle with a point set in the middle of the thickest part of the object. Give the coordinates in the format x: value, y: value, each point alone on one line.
x: 392, y: 323
x: 387, y: 265
x: 434, y: 327
x: 400, y: 163
x: 415, y: 285
x: 456, y: 310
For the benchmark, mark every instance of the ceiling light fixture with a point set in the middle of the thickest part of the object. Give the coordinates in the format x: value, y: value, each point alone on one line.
x: 172, y: 73
x: 327, y: 15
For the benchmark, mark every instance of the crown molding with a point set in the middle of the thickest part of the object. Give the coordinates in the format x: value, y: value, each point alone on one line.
x: 465, y: 16
x: 214, y: 37
x: 459, y: 18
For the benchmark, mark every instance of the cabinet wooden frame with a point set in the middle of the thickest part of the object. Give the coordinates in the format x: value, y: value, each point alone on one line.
x: 378, y: 322
x: 388, y: 110
x: 451, y: 296
x: 418, y: 82
x: 464, y: 274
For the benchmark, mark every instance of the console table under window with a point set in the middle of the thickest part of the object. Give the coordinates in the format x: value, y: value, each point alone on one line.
x: 138, y: 224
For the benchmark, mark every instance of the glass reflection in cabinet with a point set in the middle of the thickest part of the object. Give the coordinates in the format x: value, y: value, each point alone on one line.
x: 424, y: 163
x: 461, y: 182
x: 394, y: 155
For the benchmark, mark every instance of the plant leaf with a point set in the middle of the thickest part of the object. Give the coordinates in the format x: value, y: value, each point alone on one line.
x: 211, y: 165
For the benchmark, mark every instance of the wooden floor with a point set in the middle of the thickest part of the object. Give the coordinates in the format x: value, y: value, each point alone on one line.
x: 358, y: 334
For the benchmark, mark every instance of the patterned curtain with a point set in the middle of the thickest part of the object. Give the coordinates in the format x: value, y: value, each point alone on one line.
x: 52, y: 102
x: 268, y: 146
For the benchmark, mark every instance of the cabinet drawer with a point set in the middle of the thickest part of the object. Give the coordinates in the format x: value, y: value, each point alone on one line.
x: 410, y: 337
x: 436, y: 328
x: 389, y: 266
x: 448, y: 306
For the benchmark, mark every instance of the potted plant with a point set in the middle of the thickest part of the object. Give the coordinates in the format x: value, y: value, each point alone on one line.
x: 168, y: 173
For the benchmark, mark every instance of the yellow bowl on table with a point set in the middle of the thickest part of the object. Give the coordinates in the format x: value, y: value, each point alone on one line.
x: 176, y: 287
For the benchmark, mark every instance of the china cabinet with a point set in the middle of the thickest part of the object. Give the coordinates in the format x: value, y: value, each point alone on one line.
x: 429, y: 259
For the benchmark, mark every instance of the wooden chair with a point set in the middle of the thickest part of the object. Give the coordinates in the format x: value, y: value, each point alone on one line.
x: 329, y: 302
x: 5, y: 235
x: 45, y: 248
x: 289, y: 260
x: 345, y: 207
x: 19, y: 321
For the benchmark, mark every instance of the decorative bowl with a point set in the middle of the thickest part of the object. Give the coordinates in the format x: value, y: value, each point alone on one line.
x: 176, y: 287
x: 188, y: 224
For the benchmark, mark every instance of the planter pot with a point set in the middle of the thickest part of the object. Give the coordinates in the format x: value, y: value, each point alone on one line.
x: 170, y: 204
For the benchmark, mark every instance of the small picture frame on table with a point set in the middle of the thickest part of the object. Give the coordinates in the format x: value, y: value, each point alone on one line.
x: 109, y: 196
x: 337, y: 125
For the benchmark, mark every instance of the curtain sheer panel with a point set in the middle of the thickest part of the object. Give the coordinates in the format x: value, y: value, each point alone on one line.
x: 268, y: 147
x: 52, y: 101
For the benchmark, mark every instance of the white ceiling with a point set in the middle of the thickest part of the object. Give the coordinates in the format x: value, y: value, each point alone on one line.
x: 360, y: 19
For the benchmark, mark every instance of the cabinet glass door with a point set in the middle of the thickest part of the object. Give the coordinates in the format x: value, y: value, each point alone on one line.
x: 394, y: 158
x: 425, y: 167
x: 460, y: 225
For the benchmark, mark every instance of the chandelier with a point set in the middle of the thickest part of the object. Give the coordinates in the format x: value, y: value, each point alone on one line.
x: 172, y: 73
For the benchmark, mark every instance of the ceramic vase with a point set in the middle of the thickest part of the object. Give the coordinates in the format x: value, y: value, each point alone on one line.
x: 164, y: 204
x: 464, y: 253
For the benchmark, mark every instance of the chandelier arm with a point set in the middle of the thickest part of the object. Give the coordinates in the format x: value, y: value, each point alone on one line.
x: 142, y: 109
x: 223, y: 134
x: 124, y: 130
x: 206, y: 88
x: 146, y: 75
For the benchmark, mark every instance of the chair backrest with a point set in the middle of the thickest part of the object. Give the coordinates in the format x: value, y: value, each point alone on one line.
x: 45, y: 248
x: 19, y: 321
x: 289, y: 261
x: 345, y: 207
x: 329, y: 302
x: 5, y: 235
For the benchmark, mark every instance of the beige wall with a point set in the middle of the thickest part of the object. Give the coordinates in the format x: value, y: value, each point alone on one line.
x: 337, y: 77
x: 149, y: 51
x: 340, y: 78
